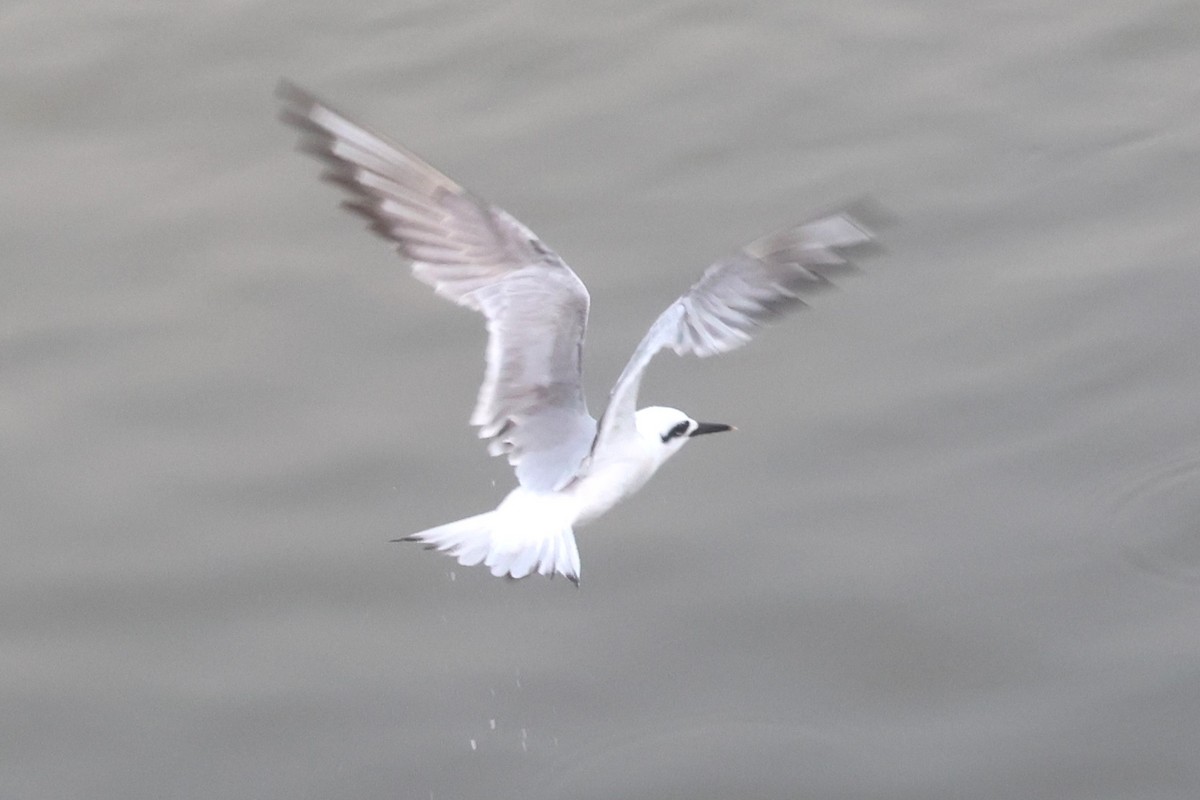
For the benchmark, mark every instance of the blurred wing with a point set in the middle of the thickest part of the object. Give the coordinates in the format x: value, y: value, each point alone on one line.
x: 734, y: 298
x: 531, y: 405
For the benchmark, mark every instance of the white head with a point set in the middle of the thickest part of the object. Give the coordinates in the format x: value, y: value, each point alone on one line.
x: 665, y: 430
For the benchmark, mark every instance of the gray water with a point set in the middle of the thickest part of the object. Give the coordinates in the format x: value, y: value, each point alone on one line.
x: 953, y: 551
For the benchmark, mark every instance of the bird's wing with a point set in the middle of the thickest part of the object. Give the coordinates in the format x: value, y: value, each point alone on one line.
x: 734, y: 298
x: 531, y: 405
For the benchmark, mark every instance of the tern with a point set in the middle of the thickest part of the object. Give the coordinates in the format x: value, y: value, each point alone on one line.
x: 570, y: 468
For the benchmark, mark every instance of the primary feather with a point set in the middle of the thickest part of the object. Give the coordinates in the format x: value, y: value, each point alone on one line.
x: 531, y: 405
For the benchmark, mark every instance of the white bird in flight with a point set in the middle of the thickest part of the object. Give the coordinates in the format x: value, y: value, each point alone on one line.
x: 571, y: 468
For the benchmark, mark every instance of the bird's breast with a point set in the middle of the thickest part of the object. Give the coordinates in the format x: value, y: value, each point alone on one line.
x: 608, y: 482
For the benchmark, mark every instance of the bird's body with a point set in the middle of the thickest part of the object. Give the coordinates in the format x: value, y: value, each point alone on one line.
x: 533, y: 529
x: 571, y: 467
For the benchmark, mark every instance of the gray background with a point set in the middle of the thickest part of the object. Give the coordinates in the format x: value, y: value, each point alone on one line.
x: 953, y: 551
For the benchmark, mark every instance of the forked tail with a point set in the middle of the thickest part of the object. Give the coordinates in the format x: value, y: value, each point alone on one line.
x: 507, y: 549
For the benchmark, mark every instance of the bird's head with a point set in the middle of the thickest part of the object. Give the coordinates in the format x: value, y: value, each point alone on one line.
x: 666, y: 430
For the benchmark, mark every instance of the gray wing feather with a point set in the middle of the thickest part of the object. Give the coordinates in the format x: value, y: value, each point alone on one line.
x: 531, y: 406
x: 734, y: 298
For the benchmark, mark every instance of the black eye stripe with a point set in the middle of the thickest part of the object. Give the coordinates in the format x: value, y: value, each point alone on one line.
x: 679, y: 430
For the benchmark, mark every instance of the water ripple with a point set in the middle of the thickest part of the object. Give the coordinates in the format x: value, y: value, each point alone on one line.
x: 1160, y: 513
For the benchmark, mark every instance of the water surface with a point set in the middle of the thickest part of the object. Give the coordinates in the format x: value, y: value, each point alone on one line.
x: 952, y: 551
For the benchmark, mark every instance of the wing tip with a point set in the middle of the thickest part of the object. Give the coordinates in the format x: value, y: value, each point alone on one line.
x: 298, y: 104
x: 290, y: 92
x: 870, y: 213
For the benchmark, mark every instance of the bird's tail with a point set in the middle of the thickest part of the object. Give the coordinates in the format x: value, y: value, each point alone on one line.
x: 506, y: 548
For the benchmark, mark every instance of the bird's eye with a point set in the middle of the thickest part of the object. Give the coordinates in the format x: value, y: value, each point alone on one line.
x: 679, y: 430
